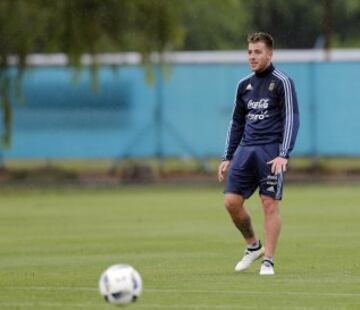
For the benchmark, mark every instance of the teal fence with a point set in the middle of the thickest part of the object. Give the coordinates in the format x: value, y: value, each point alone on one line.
x: 184, y: 113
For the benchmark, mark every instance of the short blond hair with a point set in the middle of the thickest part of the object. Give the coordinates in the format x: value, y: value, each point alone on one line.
x: 261, y: 37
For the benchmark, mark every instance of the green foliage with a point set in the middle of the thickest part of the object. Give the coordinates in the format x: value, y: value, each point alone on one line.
x: 300, y: 23
x: 79, y: 27
x: 88, y: 26
x: 94, y: 26
x: 213, y: 24
x: 347, y: 23
x: 294, y: 24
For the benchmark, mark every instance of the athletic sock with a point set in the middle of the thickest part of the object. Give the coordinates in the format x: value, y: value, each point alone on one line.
x: 255, y: 246
x: 269, y: 260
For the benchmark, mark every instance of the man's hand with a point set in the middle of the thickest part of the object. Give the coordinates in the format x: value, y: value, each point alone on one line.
x: 223, y: 167
x: 278, y: 165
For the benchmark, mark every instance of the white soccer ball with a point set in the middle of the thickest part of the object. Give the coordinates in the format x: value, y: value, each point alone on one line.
x: 120, y: 284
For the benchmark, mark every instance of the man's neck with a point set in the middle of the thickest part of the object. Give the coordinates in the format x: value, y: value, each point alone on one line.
x: 264, y: 71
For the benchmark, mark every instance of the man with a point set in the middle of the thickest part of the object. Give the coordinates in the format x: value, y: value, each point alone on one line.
x: 260, y: 137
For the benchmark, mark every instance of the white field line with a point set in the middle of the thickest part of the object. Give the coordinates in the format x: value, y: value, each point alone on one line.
x: 189, y: 291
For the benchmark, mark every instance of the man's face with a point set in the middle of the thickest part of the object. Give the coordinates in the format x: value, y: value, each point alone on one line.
x: 259, y: 56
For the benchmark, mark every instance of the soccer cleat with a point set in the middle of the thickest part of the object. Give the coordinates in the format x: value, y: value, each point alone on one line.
x: 267, y: 268
x: 249, y: 258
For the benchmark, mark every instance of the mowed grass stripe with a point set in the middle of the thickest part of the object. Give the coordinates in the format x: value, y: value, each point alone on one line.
x: 184, y: 291
x: 48, y: 305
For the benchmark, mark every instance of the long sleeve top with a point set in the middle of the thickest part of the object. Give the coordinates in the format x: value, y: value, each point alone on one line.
x: 265, y: 111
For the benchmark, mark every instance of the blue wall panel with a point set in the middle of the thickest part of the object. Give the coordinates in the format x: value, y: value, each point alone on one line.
x: 185, y: 112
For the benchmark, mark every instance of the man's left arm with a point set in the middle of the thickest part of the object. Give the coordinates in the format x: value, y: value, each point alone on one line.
x: 290, y: 114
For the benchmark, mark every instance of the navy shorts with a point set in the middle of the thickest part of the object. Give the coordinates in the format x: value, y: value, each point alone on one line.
x: 249, y: 170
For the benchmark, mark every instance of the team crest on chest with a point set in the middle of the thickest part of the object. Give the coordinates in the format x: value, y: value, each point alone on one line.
x: 271, y: 85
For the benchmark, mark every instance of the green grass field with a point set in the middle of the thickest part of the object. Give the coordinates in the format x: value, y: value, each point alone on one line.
x: 56, y: 243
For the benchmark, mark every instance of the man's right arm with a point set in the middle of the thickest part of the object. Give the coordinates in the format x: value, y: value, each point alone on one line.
x: 234, y: 135
x: 223, y: 167
x: 236, y: 127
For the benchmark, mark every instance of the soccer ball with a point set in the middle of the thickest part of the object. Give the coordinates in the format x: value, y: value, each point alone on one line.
x: 120, y: 284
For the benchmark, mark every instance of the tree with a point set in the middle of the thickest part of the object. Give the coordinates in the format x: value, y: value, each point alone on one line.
x: 214, y: 25
x: 78, y: 27
x: 294, y: 24
x: 346, y: 23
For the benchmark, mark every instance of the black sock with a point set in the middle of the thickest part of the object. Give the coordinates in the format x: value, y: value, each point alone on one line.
x: 269, y: 260
x: 255, y: 246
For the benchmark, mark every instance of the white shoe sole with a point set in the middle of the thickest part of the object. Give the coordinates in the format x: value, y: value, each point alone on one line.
x: 267, y: 272
x: 267, y: 269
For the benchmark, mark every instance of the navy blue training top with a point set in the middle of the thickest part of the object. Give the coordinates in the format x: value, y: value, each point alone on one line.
x: 265, y: 111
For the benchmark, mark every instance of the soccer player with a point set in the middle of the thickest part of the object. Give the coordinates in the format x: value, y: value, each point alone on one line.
x: 260, y: 137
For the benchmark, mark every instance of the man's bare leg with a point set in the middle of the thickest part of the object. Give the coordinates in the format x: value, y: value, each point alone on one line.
x: 272, y: 224
x: 235, y: 205
x: 272, y: 228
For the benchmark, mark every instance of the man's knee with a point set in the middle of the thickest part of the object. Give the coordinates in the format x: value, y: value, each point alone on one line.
x: 233, y: 202
x: 269, y: 204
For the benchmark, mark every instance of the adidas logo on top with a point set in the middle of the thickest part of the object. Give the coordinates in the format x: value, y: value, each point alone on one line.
x: 249, y: 87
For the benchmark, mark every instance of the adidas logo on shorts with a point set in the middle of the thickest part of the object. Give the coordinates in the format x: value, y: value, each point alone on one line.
x: 271, y: 189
